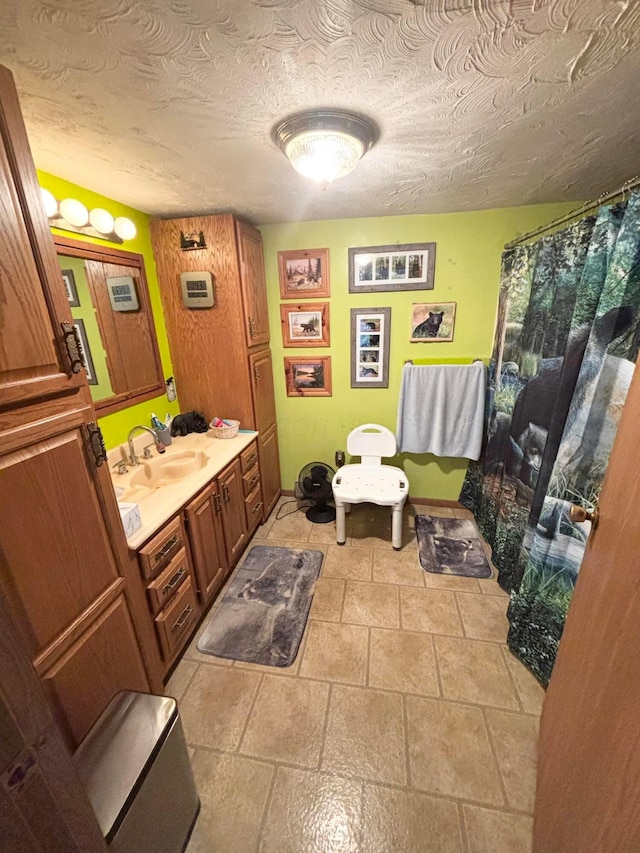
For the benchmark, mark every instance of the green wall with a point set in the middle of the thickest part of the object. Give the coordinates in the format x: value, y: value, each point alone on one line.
x: 115, y: 427
x: 468, y: 251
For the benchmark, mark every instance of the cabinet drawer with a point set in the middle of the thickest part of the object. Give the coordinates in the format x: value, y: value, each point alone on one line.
x: 165, y: 585
x: 249, y: 457
x: 253, y: 508
x: 250, y: 479
x: 175, y: 621
x: 157, y: 553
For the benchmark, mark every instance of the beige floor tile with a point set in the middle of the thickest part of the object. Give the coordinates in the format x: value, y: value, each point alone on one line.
x: 401, y: 568
x: 325, y: 534
x: 191, y: 653
x: 405, y: 822
x: 312, y: 812
x: 436, y: 511
x: 327, y: 600
x: 336, y: 652
x: 490, y: 831
x: 530, y: 691
x: 287, y: 721
x: 461, y: 512
x: 455, y: 583
x: 294, y: 526
x: 490, y: 586
x: 343, y: 561
x: 473, y: 671
x: 216, y: 706
x: 515, y: 740
x: 180, y: 678
x: 429, y: 610
x: 233, y: 794
x: 371, y: 604
x: 365, y: 735
x: 404, y: 661
x: 292, y: 670
x: 484, y: 617
x: 449, y: 751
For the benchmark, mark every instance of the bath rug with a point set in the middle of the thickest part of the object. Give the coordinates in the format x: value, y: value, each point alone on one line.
x: 451, y: 546
x: 262, y: 615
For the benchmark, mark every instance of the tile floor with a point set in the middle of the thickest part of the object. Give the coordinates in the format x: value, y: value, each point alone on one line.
x: 404, y: 724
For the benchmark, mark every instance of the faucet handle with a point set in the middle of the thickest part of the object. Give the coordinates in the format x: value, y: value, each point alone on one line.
x: 120, y: 466
x: 146, y: 453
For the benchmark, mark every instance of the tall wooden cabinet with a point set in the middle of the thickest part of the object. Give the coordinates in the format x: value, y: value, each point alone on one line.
x: 221, y: 355
x: 60, y: 531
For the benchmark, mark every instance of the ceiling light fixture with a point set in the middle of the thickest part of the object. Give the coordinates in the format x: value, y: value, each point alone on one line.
x: 324, y: 144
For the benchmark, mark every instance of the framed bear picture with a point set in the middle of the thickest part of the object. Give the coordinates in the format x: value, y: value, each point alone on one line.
x: 370, y: 335
x: 432, y: 322
x: 305, y: 325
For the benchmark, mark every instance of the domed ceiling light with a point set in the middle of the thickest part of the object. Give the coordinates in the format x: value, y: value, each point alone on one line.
x: 324, y: 144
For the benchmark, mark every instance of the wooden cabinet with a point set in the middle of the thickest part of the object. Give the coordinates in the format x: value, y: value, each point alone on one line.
x: 234, y: 522
x: 220, y: 355
x: 61, y: 538
x: 269, y: 468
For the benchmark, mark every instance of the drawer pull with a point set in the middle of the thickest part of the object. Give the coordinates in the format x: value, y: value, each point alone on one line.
x: 184, y: 618
x: 173, y: 583
x: 225, y: 494
x: 254, y: 479
x: 257, y: 507
x: 251, y: 459
x: 167, y: 548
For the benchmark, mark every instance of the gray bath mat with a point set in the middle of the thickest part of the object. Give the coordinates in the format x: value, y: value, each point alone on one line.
x: 262, y: 616
x: 451, y: 546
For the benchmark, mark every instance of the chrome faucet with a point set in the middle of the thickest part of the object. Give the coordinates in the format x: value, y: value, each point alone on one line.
x: 133, y: 459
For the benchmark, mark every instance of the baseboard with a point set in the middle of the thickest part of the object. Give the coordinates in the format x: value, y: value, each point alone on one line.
x: 434, y: 502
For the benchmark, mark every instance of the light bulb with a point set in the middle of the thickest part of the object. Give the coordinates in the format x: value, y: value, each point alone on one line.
x: 125, y: 228
x: 101, y: 220
x: 49, y: 201
x: 74, y: 212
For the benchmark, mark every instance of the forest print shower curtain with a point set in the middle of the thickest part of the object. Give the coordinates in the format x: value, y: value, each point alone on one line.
x: 564, y: 352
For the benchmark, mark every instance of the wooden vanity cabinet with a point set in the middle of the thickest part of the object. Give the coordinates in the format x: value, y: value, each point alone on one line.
x: 221, y: 355
x: 63, y: 569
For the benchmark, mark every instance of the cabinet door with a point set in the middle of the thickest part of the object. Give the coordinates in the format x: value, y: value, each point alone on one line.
x: 233, y: 514
x: 269, y: 469
x: 32, y: 362
x: 254, y: 289
x: 264, y: 404
x: 204, y: 523
x: 104, y: 661
x: 58, y: 568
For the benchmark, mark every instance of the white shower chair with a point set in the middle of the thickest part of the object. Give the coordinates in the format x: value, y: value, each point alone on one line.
x: 370, y: 481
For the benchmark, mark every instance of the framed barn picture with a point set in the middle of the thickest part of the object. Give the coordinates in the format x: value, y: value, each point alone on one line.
x: 303, y: 273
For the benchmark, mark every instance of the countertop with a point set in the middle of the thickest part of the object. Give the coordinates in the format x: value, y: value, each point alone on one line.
x: 157, y: 506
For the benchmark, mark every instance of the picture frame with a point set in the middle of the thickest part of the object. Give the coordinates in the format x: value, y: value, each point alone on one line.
x: 85, y: 352
x: 303, y: 273
x: 407, y: 266
x: 308, y: 377
x: 69, y: 280
x: 370, y: 338
x: 432, y: 322
x: 305, y: 325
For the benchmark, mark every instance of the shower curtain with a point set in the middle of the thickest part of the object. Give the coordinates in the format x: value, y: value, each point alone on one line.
x: 564, y: 352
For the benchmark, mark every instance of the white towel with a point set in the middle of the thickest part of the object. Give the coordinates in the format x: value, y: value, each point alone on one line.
x: 441, y: 409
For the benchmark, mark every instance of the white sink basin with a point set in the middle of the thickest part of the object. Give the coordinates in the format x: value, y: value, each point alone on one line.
x: 165, y: 470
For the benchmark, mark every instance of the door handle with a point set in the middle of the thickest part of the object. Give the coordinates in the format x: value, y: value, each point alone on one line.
x: 578, y: 514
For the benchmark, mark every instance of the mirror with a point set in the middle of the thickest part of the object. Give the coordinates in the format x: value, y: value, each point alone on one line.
x: 109, y: 301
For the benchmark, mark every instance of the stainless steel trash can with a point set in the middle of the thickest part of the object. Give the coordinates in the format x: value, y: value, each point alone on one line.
x: 135, y: 768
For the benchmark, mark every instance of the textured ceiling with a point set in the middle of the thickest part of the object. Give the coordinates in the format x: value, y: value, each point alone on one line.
x: 168, y: 105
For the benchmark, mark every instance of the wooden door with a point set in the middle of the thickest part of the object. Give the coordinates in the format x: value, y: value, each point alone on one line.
x: 588, y: 795
x: 203, y: 517
x: 234, y: 521
x: 269, y: 469
x: 33, y: 363
x: 264, y: 404
x: 43, y: 806
x: 252, y: 281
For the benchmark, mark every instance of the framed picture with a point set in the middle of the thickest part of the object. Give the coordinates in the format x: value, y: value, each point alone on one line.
x: 308, y: 377
x: 432, y: 322
x: 400, y: 267
x: 70, y: 286
x: 85, y: 352
x: 370, y: 335
x: 305, y: 325
x: 303, y: 272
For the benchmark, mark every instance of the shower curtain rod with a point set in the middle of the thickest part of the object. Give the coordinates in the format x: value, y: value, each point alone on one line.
x: 590, y: 205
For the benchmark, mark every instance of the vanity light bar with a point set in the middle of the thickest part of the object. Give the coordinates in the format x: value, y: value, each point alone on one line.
x: 71, y: 215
